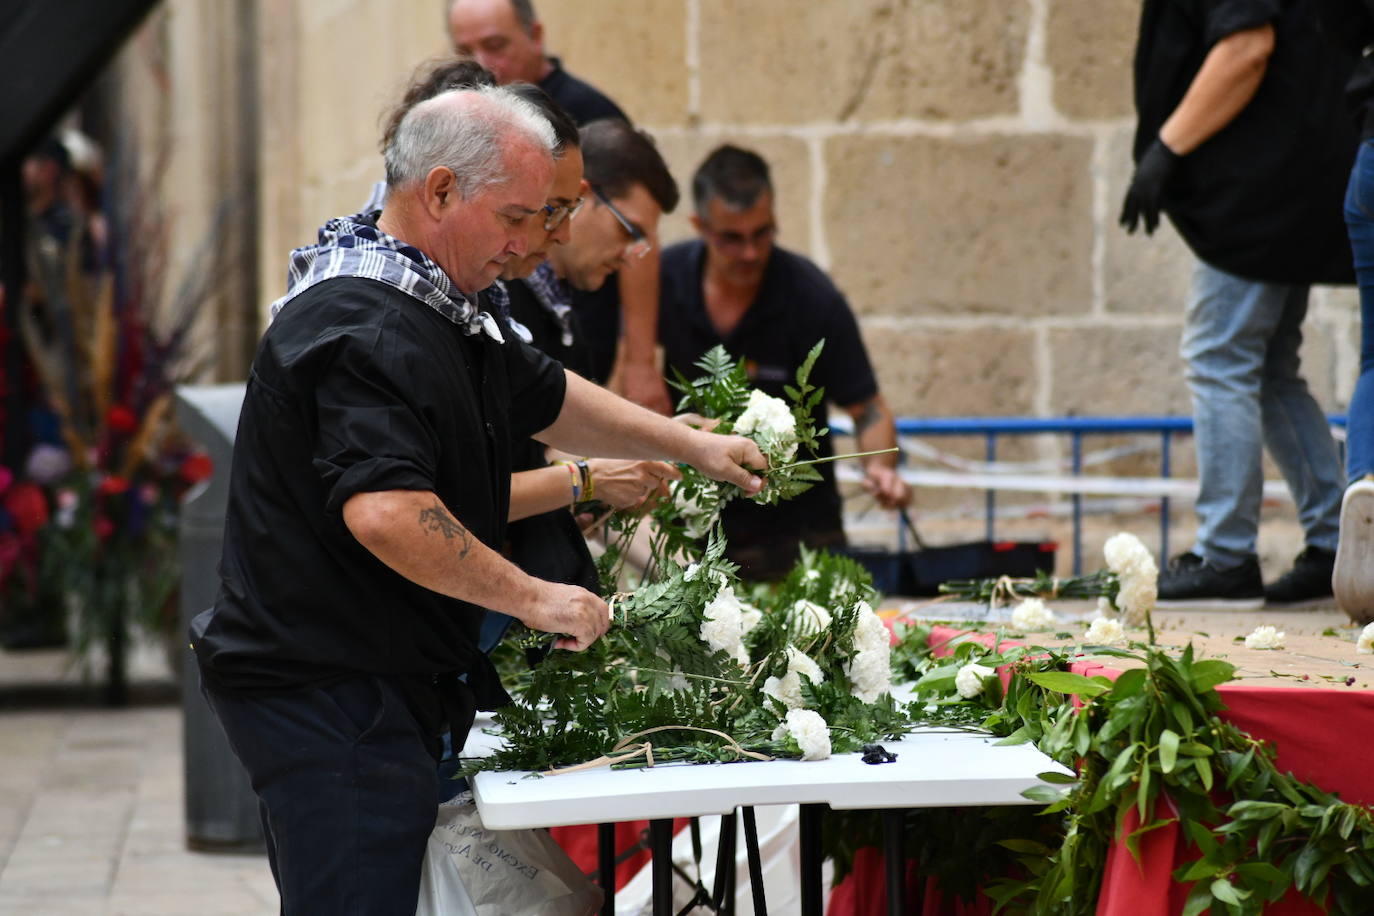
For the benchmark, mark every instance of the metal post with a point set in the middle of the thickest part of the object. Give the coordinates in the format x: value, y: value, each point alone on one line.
x: 1165, y: 470
x: 991, y: 498
x: 894, y: 861
x: 605, y: 865
x: 751, y: 845
x: 1077, y: 506
x: 809, y: 827
x: 661, y: 848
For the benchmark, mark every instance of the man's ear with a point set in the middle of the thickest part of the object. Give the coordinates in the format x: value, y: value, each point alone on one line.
x: 441, y: 189
x: 537, y: 35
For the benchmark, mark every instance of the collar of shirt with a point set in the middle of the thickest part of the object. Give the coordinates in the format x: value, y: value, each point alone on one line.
x: 555, y: 296
x: 353, y: 246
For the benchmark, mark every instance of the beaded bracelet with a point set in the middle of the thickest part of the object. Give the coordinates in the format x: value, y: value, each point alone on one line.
x: 575, y: 477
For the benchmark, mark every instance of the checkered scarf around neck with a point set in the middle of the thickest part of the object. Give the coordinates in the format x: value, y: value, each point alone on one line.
x: 353, y: 246
x: 555, y: 296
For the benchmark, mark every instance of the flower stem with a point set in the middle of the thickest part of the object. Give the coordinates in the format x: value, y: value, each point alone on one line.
x: 799, y: 464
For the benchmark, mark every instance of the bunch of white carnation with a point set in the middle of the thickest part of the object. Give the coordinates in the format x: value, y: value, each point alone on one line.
x: 870, y: 670
x: 722, y: 626
x: 787, y: 689
x: 969, y: 680
x: 1265, y: 638
x: 1137, y: 574
x: 1365, y: 643
x: 810, y: 732
x: 1106, y: 631
x: 1032, y: 614
x: 769, y: 421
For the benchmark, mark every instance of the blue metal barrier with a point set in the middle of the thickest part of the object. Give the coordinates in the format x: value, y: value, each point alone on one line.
x: 1076, y: 427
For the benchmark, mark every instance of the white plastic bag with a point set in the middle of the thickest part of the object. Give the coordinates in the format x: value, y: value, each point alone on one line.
x: 472, y: 871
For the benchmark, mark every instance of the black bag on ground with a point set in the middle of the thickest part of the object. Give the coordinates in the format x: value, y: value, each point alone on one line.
x: 919, y: 572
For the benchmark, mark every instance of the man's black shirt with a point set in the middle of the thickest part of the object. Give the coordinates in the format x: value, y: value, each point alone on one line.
x: 357, y: 387
x: 582, y: 101
x: 1261, y: 198
x: 796, y: 306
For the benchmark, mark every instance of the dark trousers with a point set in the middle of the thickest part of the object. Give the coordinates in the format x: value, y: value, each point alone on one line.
x: 346, y: 780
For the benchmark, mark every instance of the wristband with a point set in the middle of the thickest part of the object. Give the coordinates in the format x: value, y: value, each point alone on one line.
x: 588, y: 482
x: 575, y: 478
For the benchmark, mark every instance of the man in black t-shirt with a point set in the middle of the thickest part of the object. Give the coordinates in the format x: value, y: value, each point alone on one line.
x: 1242, y: 142
x: 619, y: 318
x: 733, y: 286
x: 368, y: 500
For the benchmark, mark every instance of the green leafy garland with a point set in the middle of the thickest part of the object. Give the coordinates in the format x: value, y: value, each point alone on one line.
x: 1151, y: 742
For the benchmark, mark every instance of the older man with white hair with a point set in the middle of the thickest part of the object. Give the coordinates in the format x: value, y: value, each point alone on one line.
x: 369, y: 486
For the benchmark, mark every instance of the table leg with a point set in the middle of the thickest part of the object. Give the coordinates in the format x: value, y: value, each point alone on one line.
x: 605, y: 864
x: 661, y: 848
x: 812, y: 902
x: 751, y: 845
x: 725, y: 857
x: 894, y: 861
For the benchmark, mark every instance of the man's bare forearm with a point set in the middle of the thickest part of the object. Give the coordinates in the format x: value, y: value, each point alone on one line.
x: 874, y: 429
x: 413, y: 533
x: 1227, y: 81
x: 596, y: 422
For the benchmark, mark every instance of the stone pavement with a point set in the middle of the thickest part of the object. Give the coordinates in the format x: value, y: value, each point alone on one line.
x: 91, y: 816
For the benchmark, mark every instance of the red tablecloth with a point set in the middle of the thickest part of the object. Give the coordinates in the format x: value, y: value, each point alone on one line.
x: 1311, y: 730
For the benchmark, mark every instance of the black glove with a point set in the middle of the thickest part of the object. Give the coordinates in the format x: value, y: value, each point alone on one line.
x: 1147, y: 187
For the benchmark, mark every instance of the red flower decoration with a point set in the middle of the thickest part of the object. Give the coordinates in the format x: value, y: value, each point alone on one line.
x: 197, y: 467
x: 104, y: 528
x: 114, y: 485
x: 28, y: 506
x: 121, y: 419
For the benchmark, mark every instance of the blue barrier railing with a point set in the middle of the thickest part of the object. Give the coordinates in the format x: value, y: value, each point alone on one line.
x: 990, y: 428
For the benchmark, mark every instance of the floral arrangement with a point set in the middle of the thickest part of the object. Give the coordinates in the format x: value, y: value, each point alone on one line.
x: 1128, y: 586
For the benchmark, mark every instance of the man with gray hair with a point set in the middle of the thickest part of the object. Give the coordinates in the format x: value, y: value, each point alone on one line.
x: 368, y: 492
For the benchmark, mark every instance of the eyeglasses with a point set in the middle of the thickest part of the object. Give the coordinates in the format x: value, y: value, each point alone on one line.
x: 639, y: 242
x: 736, y: 242
x: 554, y: 216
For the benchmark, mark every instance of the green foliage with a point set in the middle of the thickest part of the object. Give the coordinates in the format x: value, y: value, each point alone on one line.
x: 1151, y: 745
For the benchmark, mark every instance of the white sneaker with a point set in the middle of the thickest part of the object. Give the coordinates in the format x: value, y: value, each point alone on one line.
x: 1352, y: 580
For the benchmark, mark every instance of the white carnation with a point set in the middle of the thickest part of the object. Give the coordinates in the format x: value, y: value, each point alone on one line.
x: 1106, y: 631
x: 811, y: 575
x: 1365, y: 643
x: 1137, y: 574
x: 810, y: 732
x: 765, y: 413
x: 786, y: 689
x: 696, y: 518
x: 1265, y: 638
x: 750, y: 616
x: 1032, y: 614
x: 799, y: 662
x: 870, y: 671
x: 969, y: 680
x: 809, y: 618
x: 722, y: 627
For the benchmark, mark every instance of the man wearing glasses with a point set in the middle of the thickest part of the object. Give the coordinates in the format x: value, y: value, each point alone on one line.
x: 735, y: 287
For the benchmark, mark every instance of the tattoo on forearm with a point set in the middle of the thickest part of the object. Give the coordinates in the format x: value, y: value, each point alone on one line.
x: 438, y: 519
x: 872, y: 414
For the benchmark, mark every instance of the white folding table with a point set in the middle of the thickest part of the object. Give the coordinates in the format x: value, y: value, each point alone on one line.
x: 934, y: 768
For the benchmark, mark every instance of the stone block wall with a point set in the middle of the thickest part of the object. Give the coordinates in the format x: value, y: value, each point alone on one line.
x: 957, y: 165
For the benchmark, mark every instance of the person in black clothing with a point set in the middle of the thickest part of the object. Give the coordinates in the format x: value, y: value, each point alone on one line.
x: 734, y: 286
x: 619, y: 318
x: 368, y: 496
x: 1240, y: 140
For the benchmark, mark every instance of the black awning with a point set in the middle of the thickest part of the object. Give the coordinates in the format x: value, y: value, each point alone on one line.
x: 53, y: 50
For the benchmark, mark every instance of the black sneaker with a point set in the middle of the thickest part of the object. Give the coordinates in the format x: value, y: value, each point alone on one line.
x: 1308, y: 581
x: 1189, y: 581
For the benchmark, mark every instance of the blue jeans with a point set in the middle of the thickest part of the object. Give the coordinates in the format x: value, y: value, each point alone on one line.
x: 1359, y: 219
x: 1240, y: 341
